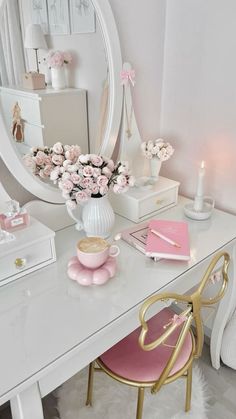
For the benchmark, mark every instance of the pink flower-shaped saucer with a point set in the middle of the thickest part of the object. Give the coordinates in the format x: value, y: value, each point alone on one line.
x: 85, y: 276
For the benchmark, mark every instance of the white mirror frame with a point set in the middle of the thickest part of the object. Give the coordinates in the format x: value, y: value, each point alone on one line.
x: 8, y: 150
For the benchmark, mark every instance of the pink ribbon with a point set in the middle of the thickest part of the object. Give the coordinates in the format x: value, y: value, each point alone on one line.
x: 127, y: 76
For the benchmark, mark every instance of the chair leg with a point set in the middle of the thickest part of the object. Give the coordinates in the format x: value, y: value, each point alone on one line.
x: 90, y: 384
x: 139, y: 412
x: 188, y: 389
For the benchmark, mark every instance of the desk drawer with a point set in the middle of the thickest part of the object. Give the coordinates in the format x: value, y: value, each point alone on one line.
x: 156, y: 203
x: 27, y: 258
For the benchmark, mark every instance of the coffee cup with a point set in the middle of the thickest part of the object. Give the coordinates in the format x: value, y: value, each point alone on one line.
x: 93, y: 252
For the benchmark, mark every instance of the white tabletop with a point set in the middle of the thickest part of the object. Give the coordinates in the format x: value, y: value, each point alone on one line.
x: 44, y: 314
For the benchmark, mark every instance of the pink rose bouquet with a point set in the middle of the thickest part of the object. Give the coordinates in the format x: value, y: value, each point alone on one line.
x: 157, y: 149
x: 57, y: 59
x: 79, y: 176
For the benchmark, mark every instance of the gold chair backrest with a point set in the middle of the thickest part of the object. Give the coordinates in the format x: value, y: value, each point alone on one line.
x: 194, y: 302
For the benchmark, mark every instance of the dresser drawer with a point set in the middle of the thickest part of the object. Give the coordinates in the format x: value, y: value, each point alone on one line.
x: 156, y: 203
x: 32, y: 249
x: 33, y: 135
x: 30, y: 107
x: 30, y: 256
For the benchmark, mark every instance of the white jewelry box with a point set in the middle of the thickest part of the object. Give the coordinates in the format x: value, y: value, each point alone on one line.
x: 32, y: 249
x: 140, y: 203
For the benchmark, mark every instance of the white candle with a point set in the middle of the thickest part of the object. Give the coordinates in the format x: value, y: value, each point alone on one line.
x: 198, y: 201
x: 200, y: 181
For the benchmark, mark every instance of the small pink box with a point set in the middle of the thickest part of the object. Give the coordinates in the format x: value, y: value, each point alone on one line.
x: 34, y: 81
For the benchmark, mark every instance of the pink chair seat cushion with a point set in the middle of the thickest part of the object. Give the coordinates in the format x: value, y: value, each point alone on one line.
x: 128, y: 360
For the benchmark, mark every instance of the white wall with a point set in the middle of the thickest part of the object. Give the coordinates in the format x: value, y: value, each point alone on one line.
x: 199, y: 95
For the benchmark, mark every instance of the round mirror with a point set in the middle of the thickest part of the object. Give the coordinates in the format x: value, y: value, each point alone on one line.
x: 88, y: 113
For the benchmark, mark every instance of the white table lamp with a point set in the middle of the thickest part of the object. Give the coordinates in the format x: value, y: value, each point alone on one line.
x: 34, y: 39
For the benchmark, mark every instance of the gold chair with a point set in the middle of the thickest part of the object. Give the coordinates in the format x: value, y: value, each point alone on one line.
x: 163, y: 348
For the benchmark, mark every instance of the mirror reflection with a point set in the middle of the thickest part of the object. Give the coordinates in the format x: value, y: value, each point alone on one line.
x: 73, y: 107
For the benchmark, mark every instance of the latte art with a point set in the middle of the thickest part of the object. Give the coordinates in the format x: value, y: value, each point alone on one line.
x: 92, y: 245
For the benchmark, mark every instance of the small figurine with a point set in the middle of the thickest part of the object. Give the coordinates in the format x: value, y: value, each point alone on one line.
x: 17, y: 126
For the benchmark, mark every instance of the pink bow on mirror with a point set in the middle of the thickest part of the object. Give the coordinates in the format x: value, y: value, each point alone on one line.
x: 127, y: 76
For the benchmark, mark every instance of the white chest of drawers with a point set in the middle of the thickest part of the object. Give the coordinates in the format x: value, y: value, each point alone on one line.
x: 33, y: 249
x: 48, y: 115
x: 138, y: 204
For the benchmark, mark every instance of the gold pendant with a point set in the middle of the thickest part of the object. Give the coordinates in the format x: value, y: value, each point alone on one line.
x: 128, y: 132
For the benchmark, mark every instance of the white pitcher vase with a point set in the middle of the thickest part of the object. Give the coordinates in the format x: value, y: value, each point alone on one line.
x: 97, y: 218
x: 155, y: 167
x: 58, y: 78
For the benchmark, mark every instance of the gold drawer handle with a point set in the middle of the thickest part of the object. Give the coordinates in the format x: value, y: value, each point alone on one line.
x: 160, y: 201
x: 20, y: 263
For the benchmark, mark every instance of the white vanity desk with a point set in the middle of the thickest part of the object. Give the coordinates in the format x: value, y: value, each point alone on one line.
x: 52, y: 327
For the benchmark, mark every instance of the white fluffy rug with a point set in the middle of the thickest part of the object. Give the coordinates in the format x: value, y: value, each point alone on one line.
x: 113, y: 400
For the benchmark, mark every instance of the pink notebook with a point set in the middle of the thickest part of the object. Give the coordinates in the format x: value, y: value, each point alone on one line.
x: 174, y: 231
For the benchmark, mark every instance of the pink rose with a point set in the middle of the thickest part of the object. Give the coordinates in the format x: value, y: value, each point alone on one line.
x: 84, y: 158
x: 70, y: 155
x: 96, y: 172
x: 94, y: 189
x: 102, y: 181
x: 66, y: 163
x: 40, y: 158
x: 86, y: 182
x: 58, y: 159
x: 73, y: 153
x: 81, y: 197
x: 55, y: 59
x: 29, y: 162
x: 103, y: 190
x: 106, y: 171
x: 66, y: 186
x: 121, y: 180
x: 47, y: 170
x: 57, y: 148
x: 65, y: 176
x: 54, y: 175
x: 41, y: 174
x: 72, y: 168
x: 110, y: 165
x: 96, y: 160
x: 88, y: 171
x: 75, y: 178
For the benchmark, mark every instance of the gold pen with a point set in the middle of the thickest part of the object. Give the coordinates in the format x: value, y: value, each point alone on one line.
x: 165, y: 238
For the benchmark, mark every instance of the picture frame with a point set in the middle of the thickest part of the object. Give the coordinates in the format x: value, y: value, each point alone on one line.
x: 58, y: 17
x: 39, y: 14
x: 82, y: 16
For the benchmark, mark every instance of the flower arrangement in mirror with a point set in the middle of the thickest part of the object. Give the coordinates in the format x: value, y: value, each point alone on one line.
x: 156, y: 151
x: 82, y: 179
x: 55, y: 61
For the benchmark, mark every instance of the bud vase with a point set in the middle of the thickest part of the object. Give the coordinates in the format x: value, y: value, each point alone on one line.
x: 155, y: 167
x: 58, y: 78
x: 97, y: 218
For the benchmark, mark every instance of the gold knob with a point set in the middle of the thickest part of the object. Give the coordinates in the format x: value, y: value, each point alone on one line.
x: 20, y: 263
x: 159, y: 201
